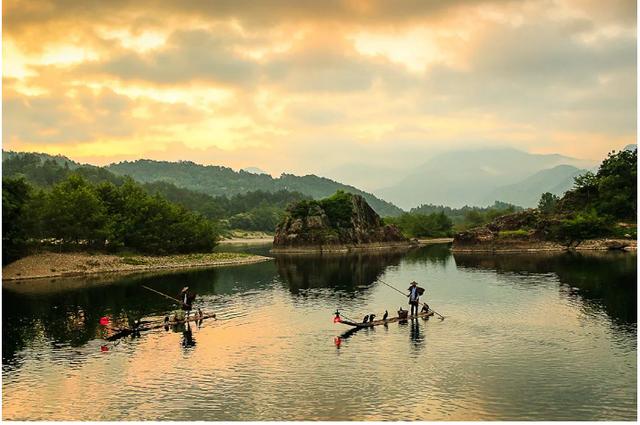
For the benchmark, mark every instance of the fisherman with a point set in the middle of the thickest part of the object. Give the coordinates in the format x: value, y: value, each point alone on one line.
x: 187, y: 300
x: 414, y: 298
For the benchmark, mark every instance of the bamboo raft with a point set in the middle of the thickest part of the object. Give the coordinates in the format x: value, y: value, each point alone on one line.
x: 425, y: 315
x: 114, y: 333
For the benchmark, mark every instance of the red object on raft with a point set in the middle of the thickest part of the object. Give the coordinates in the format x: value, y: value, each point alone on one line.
x: 337, y: 319
x: 104, y: 320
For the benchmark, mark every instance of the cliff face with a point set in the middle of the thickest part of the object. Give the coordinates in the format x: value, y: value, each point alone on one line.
x: 343, y: 220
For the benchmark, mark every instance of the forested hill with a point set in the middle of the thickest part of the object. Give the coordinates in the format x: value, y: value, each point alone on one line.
x: 223, y: 181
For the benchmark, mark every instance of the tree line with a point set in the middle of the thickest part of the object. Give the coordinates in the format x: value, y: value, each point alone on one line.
x: 600, y: 204
x: 255, y: 210
x: 77, y: 214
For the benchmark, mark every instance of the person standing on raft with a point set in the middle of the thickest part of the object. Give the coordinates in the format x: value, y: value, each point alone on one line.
x: 414, y: 297
x: 187, y: 298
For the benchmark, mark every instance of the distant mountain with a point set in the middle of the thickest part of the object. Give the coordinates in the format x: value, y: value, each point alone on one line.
x: 58, y: 159
x: 254, y: 170
x: 216, y: 181
x: 366, y: 176
x: 526, y: 193
x: 467, y: 177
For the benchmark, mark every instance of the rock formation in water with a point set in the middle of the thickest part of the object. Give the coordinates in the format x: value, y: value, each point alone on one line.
x: 341, y: 221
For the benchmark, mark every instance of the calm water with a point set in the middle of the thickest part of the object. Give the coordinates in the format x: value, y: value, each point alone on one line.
x: 525, y: 337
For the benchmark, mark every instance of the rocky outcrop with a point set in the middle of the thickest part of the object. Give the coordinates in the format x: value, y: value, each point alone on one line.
x: 525, y: 231
x: 342, y: 222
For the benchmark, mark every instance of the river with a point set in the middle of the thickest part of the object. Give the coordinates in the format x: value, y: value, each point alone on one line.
x: 526, y: 337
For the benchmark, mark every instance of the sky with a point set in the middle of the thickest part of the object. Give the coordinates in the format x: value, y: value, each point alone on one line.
x: 314, y: 86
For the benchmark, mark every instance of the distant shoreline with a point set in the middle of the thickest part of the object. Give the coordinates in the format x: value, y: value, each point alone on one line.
x: 519, y: 246
x: 61, y: 265
x: 247, y: 241
x: 376, y: 246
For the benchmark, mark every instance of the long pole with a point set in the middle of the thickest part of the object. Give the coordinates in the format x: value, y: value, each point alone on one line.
x: 396, y: 289
x: 164, y: 295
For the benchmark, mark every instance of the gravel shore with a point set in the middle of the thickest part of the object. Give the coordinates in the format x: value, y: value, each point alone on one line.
x: 77, y: 264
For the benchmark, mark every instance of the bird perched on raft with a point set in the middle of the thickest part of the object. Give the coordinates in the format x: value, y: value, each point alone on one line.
x: 366, y: 319
x: 371, y: 317
x: 385, y: 315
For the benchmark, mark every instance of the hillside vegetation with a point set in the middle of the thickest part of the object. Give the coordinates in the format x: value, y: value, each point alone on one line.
x: 79, y: 215
x: 219, y: 181
x: 600, y: 205
x: 254, y: 210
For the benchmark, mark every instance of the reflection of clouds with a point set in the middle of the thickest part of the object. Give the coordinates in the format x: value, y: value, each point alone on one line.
x: 503, y: 352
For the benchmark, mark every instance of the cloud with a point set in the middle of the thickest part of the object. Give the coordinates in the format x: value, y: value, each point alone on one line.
x: 279, y: 84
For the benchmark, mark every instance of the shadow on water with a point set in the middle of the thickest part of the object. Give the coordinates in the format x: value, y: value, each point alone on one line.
x: 603, y: 280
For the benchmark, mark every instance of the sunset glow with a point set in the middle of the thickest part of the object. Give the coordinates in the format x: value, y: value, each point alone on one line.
x: 268, y: 84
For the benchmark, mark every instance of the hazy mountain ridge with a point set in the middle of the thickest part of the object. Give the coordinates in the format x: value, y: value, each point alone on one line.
x: 458, y: 178
x: 58, y: 159
x: 526, y: 193
x: 211, y: 180
x: 218, y: 181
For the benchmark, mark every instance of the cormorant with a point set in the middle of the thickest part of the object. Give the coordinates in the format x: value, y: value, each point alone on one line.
x: 385, y: 315
x: 371, y: 317
x: 366, y: 319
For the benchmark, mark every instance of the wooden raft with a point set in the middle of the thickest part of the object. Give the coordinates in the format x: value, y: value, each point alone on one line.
x: 116, y: 333
x: 382, y: 322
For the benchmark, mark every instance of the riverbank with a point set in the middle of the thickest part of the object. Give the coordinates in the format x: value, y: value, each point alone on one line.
x: 340, y: 248
x: 507, y: 246
x: 48, y: 265
x: 247, y: 241
x: 434, y: 241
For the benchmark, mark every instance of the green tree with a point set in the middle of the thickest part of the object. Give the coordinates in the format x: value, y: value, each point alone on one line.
x: 584, y: 225
x: 73, y: 213
x: 617, y: 184
x: 548, y: 202
x: 16, y: 194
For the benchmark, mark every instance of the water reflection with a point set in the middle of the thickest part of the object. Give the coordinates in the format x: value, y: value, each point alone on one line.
x: 350, y: 273
x: 417, y: 338
x: 269, y: 357
x: 71, y: 316
x: 602, y: 280
x: 436, y: 254
x: 188, y: 341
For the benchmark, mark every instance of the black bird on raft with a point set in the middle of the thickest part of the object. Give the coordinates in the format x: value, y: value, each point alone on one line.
x: 371, y: 317
x: 366, y: 319
x: 385, y: 315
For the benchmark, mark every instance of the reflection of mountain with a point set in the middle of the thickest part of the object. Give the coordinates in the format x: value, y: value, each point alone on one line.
x: 346, y: 272
x: 602, y: 280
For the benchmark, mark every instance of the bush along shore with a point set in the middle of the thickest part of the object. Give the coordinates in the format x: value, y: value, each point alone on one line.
x: 47, y: 265
x: 599, y: 213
